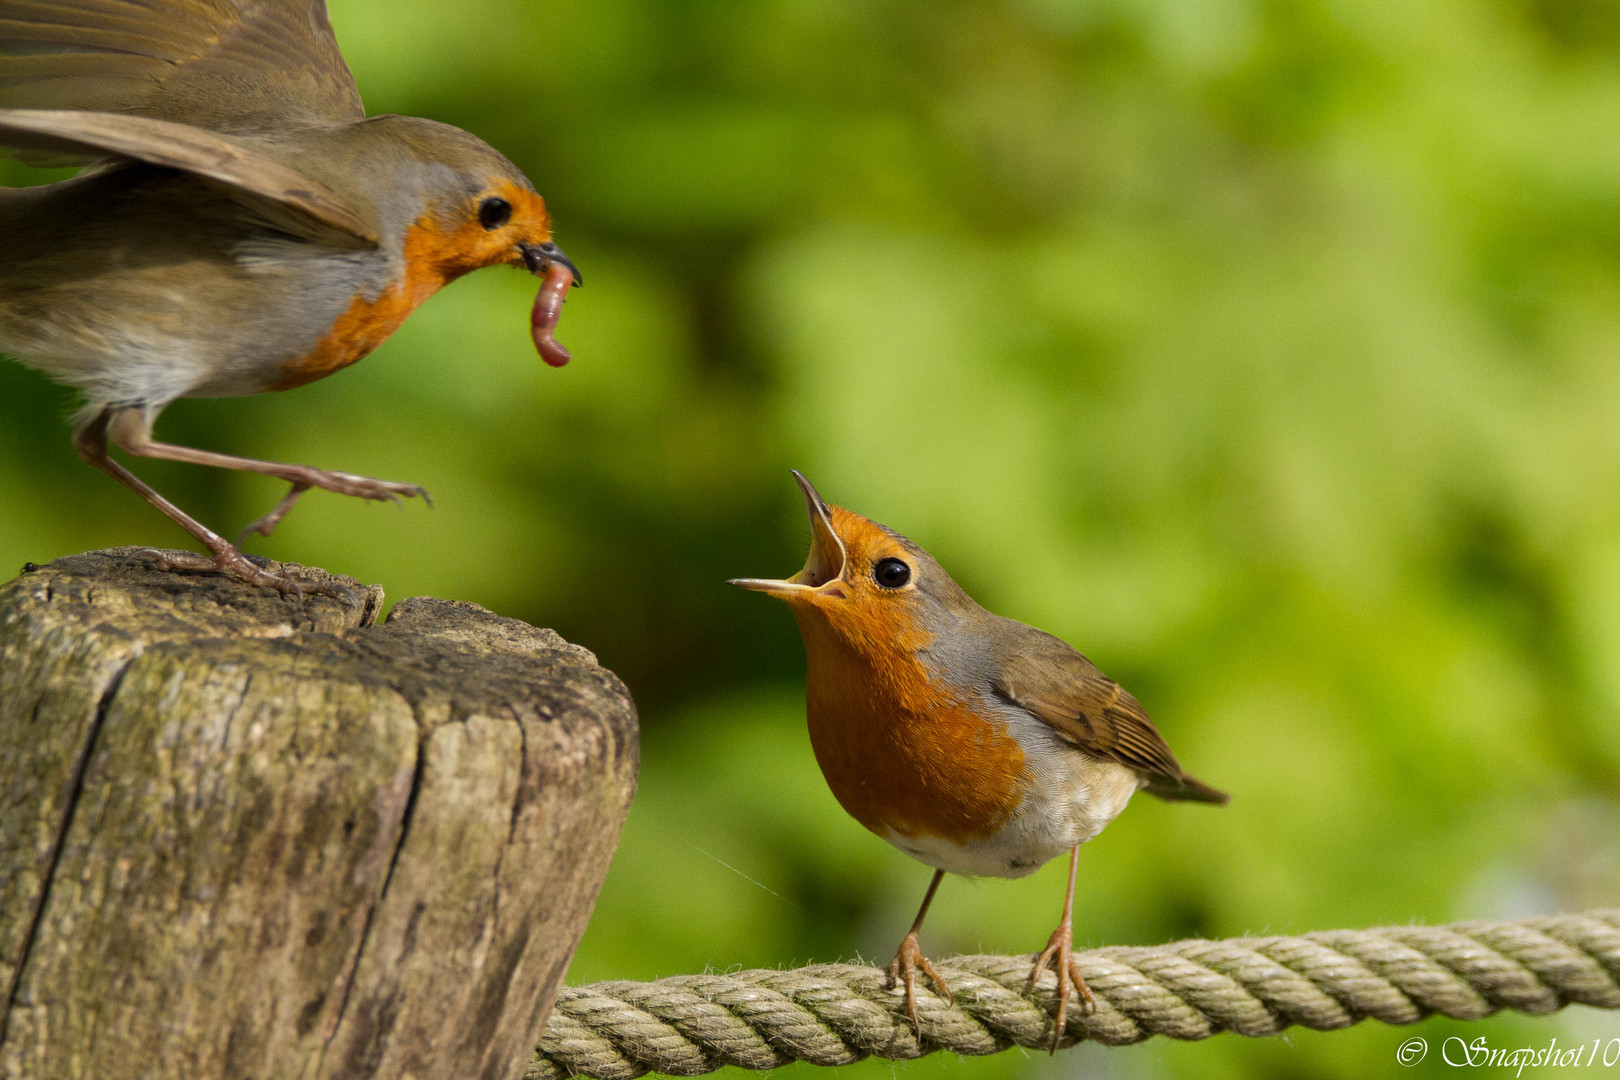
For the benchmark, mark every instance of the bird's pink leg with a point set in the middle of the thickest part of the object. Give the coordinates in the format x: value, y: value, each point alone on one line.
x: 1059, y: 957
x: 266, y: 525
x: 903, y: 968
x: 130, y: 431
x: 91, y: 441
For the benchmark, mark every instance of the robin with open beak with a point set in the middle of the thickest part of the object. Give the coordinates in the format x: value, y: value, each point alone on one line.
x: 972, y: 743
x: 245, y: 226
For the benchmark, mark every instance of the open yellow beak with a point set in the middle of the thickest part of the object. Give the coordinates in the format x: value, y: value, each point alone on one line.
x: 826, y: 561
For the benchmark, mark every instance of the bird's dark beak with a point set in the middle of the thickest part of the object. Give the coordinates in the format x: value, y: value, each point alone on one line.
x: 826, y: 561
x: 539, y: 257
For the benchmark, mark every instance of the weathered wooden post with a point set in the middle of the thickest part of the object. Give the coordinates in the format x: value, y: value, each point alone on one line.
x: 251, y: 836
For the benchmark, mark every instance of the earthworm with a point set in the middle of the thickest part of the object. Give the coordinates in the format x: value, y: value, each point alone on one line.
x: 547, y: 307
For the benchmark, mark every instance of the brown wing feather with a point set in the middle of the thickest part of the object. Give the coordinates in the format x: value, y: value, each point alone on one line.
x: 229, y: 65
x: 1052, y: 681
x: 178, y: 146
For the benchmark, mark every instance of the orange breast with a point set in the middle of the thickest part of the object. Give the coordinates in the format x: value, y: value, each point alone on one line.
x: 357, y: 331
x: 901, y: 755
x: 368, y: 323
x: 434, y: 257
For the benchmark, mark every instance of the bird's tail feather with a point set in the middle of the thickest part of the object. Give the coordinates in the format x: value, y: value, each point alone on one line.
x: 1187, y: 789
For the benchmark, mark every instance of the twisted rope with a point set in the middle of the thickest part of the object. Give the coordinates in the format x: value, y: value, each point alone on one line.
x: 835, y: 1014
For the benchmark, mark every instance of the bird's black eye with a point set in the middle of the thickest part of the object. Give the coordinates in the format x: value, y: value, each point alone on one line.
x: 494, y: 212
x: 891, y: 573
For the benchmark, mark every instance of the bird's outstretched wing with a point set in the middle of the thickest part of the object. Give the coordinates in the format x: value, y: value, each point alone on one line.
x: 1049, y: 679
x: 226, y: 65
x: 231, y: 161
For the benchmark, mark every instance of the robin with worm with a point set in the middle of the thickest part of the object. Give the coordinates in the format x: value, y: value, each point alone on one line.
x: 244, y: 227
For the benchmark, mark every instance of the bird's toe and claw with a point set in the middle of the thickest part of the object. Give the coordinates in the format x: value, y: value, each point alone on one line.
x: 340, y: 483
x: 228, y: 560
x: 266, y: 525
x: 362, y: 487
x: 902, y: 970
x: 1059, y: 956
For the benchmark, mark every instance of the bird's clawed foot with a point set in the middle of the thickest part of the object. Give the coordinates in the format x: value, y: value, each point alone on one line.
x: 361, y: 487
x: 266, y: 525
x: 903, y: 969
x: 228, y: 560
x: 1059, y: 956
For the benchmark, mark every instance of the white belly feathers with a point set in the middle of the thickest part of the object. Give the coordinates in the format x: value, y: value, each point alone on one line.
x: 1082, y: 793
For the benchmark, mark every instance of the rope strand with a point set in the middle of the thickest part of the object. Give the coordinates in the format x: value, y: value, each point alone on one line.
x: 836, y: 1014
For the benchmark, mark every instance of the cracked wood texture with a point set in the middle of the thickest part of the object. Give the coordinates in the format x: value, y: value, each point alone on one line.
x: 249, y: 836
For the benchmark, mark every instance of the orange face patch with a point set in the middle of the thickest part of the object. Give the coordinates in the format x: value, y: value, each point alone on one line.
x: 435, y: 255
x: 452, y: 251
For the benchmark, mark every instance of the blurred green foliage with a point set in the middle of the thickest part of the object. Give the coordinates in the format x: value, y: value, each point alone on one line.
x: 1264, y: 349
